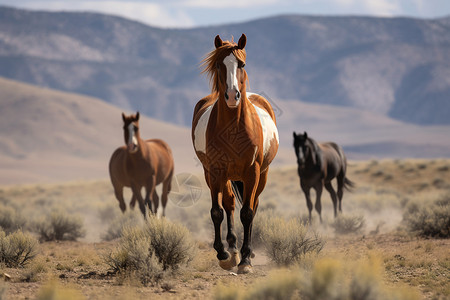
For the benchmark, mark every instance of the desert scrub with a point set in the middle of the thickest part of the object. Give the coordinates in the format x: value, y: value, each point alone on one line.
x: 59, y: 225
x: 361, y: 280
x: 327, y: 279
x: 10, y: 219
x: 280, y: 284
x: 117, y: 225
x: 287, y: 241
x: 148, y: 251
x: 17, y: 249
x: 348, y: 224
x: 429, y: 219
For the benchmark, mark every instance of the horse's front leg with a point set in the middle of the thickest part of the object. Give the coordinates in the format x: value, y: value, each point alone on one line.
x: 217, y: 187
x: 228, y: 203
x: 247, y: 213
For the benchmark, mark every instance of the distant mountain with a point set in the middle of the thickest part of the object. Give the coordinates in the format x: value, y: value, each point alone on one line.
x: 47, y: 135
x: 396, y: 67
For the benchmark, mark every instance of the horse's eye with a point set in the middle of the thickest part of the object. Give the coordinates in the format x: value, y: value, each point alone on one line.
x: 241, y: 65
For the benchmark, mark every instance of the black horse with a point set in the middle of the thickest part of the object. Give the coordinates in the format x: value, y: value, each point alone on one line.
x: 318, y: 164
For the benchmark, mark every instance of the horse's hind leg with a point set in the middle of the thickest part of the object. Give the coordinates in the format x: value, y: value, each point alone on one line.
x: 340, y: 189
x: 118, y: 192
x: 133, y: 201
x: 137, y: 193
x: 330, y: 189
x: 155, y: 200
x: 318, y: 205
x: 167, y: 186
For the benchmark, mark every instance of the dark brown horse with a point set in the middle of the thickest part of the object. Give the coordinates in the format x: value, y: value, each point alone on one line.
x: 141, y: 164
x: 235, y: 137
x: 318, y: 164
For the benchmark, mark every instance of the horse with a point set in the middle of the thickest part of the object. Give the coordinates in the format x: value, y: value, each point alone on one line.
x: 318, y: 165
x: 235, y: 138
x: 141, y: 164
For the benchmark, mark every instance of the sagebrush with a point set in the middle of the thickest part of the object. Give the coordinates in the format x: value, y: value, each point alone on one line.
x: 150, y: 250
x: 287, y: 241
x: 348, y: 224
x: 59, y: 225
x: 17, y: 249
x: 429, y: 219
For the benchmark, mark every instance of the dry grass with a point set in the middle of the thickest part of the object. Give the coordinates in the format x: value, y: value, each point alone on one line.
x: 382, y: 200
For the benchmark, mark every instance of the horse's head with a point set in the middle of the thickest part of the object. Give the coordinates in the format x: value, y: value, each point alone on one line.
x: 225, y: 66
x: 305, y: 148
x: 131, y: 131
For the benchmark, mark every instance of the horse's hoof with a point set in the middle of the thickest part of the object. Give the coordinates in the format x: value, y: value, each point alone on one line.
x: 245, y: 269
x: 232, y: 261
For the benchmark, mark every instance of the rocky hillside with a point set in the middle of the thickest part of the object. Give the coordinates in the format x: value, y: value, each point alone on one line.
x: 397, y: 67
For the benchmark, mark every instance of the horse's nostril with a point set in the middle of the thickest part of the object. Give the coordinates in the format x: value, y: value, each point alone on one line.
x: 238, y: 95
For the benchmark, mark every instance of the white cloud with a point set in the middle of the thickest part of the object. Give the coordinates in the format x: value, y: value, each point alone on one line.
x: 382, y: 7
x: 149, y: 13
x: 227, y: 3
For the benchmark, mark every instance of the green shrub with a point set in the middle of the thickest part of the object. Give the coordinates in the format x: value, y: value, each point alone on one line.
x: 348, y: 224
x: 10, y: 219
x: 288, y: 241
x: 17, y: 249
x: 59, y: 225
x: 149, y: 250
x: 429, y: 219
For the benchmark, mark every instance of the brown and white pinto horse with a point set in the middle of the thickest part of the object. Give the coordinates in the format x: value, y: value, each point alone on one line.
x: 141, y: 164
x: 235, y: 137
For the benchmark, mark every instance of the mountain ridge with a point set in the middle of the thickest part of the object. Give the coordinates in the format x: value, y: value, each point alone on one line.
x: 393, y: 66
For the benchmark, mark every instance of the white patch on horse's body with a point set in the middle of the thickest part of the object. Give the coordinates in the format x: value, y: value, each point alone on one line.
x: 268, y: 126
x: 200, y: 130
x: 231, y: 64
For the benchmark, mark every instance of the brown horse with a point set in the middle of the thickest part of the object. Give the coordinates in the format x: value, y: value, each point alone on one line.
x: 141, y: 164
x: 318, y: 164
x: 235, y: 137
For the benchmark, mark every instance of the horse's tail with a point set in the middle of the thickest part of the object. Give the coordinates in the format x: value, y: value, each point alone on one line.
x: 238, y: 190
x: 348, y: 184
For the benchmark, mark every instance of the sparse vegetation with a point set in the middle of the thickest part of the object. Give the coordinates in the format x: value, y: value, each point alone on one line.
x: 59, y: 226
x: 287, y: 241
x: 344, y: 224
x: 429, y: 219
x: 150, y: 250
x: 17, y: 249
x: 416, y: 263
x: 118, y: 224
x: 10, y: 219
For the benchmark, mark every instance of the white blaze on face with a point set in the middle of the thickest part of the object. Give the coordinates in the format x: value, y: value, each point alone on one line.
x: 132, y: 140
x: 231, y: 64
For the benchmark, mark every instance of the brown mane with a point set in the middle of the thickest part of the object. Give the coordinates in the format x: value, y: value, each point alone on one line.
x: 210, y: 62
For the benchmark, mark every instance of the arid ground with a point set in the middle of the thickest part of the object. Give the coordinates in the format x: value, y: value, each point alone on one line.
x: 384, y: 190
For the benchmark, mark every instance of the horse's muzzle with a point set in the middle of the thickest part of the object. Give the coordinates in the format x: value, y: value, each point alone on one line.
x: 232, y: 98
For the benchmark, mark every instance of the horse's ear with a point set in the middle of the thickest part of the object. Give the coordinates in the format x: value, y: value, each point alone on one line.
x: 294, y: 134
x: 137, y: 116
x: 123, y: 117
x: 218, y: 42
x: 305, y: 135
x: 242, y: 41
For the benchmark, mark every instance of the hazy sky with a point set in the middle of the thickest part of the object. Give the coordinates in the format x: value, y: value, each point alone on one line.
x: 191, y: 13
